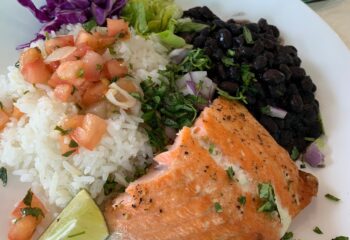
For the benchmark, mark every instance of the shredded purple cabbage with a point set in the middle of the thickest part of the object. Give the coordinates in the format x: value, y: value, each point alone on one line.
x: 59, y: 12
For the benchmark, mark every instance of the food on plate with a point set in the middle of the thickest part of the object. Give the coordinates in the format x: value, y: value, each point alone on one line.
x: 26, y: 217
x: 252, y: 63
x: 223, y: 178
x: 80, y: 219
x: 107, y: 87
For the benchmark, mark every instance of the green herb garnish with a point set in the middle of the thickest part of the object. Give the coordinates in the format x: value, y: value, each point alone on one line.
x: 35, y: 212
x: 309, y: 139
x: 231, y: 53
x: 228, y: 62
x: 267, y: 196
x: 226, y: 95
x: 1, y: 105
x: 295, y: 153
x: 67, y: 154
x: 17, y: 64
x: 99, y: 67
x: 114, y: 79
x: 247, y: 35
x: 218, y: 207
x: 73, y: 144
x: 81, y: 73
x: 3, y: 176
x: 230, y: 172
x: 317, y: 230
x: 109, y: 185
x: 242, y: 200
x: 112, y: 51
x: 88, y: 26
x: 332, y: 198
x: 47, y: 36
x: 27, y: 200
x: 62, y: 131
x: 341, y: 238
x: 287, y: 236
x: 211, y: 148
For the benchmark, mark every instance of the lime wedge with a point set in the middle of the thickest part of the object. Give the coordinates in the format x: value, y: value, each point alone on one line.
x: 80, y: 220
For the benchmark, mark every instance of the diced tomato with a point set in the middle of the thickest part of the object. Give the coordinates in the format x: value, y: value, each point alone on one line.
x: 24, y: 226
x: 93, y: 64
x: 54, y: 65
x: 118, y: 27
x: 72, y: 72
x: 23, y: 229
x: 94, y: 94
x: 4, y: 118
x: 73, y: 122
x: 58, y: 42
x: 85, y: 38
x: 77, y: 54
x: 36, y: 72
x: 29, y: 56
x: 16, y: 113
x: 115, y: 68
x: 91, y: 132
x: 64, y: 144
x: 55, y: 80
x: 63, y: 92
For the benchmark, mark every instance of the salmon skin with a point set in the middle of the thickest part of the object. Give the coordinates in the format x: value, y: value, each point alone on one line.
x: 224, y: 178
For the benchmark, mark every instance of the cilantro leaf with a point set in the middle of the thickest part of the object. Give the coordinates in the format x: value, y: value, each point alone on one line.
x: 242, y: 200
x: 230, y: 172
x: 35, y: 212
x: 317, y: 230
x: 332, y: 198
x: 27, y: 200
x: 267, y: 196
x: 247, y: 35
x: 218, y: 207
x: 3, y: 176
x: 287, y: 236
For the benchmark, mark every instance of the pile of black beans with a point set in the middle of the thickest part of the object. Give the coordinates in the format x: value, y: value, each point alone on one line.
x: 280, y: 81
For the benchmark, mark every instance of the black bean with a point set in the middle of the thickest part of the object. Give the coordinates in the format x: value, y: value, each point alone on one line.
x: 188, y: 36
x: 229, y: 87
x: 246, y: 52
x: 235, y: 29
x: 308, y: 97
x: 306, y: 84
x: 239, y: 41
x: 296, y: 103
x: 211, y: 43
x: 218, y: 54
x: 278, y: 90
x: 258, y: 89
x: 269, y: 124
x: 224, y: 37
x: 286, y: 71
x: 269, y: 44
x: 250, y: 98
x: 275, y: 31
x: 285, y: 137
x: 273, y: 76
x: 222, y: 72
x: 292, y: 90
x: 217, y: 24
x: 233, y: 74
x: 269, y: 56
x: 193, y: 13
x: 205, y: 32
x: 258, y: 47
x: 207, y: 13
x: 290, y: 50
x: 298, y: 73
x: 263, y: 24
x: 297, y: 61
x: 199, y: 41
x: 260, y: 62
x: 208, y: 51
x: 253, y: 27
x: 283, y: 58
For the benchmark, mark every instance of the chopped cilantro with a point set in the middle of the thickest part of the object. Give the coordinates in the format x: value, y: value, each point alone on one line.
x: 295, y: 153
x: 218, y: 207
x: 99, y: 67
x: 287, y: 236
x: 247, y: 35
x: 27, y: 200
x: 267, y: 196
x: 17, y: 64
x: 228, y: 62
x: 231, y: 53
x: 76, y: 234
x: 35, y: 212
x: 112, y: 51
x: 136, y: 95
x: 73, y: 144
x: 47, y: 36
x: 109, y: 185
x: 317, y: 230
x: 242, y: 200
x: 266, y: 110
x: 114, y: 79
x: 230, y: 172
x: 62, y: 131
x: 211, y: 148
x: 309, y: 139
x: 341, y: 238
x: 3, y: 176
x: 332, y: 198
x: 81, y: 73
x: 88, y: 26
x: 67, y: 154
x: 1, y: 105
x: 226, y: 95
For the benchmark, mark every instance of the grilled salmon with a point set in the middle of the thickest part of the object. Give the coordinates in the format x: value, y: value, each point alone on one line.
x: 224, y: 178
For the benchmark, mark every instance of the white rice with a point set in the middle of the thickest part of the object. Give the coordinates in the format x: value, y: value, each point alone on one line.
x: 30, y: 148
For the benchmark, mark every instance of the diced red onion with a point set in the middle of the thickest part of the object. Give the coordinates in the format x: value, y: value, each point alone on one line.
x: 276, y: 112
x: 178, y: 55
x: 314, y: 156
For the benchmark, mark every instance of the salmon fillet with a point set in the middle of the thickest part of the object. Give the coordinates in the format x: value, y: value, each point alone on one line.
x: 208, y: 185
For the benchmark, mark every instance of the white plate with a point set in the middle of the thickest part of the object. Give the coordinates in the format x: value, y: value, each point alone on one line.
x: 325, y: 58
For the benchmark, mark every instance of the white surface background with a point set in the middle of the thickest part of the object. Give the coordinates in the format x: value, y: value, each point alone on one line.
x: 325, y: 58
